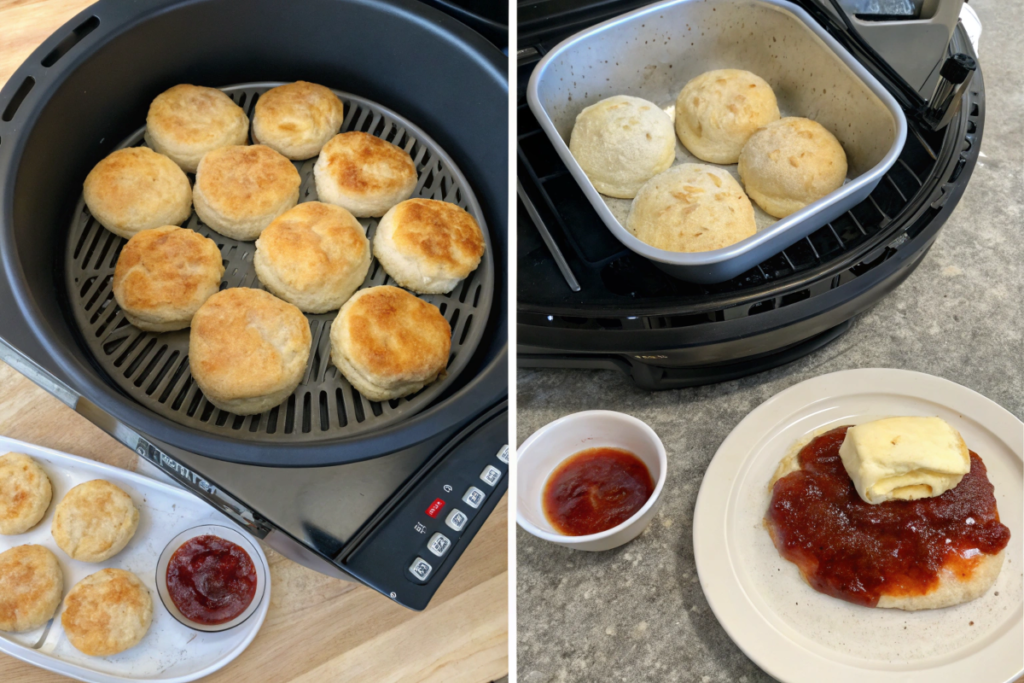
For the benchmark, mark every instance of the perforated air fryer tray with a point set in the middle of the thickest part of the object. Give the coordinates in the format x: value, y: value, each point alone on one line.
x: 153, y: 368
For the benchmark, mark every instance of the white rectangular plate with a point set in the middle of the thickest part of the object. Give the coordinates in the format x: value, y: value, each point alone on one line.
x: 170, y: 652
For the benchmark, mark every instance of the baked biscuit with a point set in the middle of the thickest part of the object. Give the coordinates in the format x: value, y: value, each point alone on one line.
x: 297, y: 119
x: 248, y: 350
x: 94, y: 521
x: 428, y: 246
x: 107, y: 612
x: 31, y: 585
x: 25, y: 493
x: 187, y: 121
x: 718, y: 111
x: 239, y: 190
x: 690, y: 208
x: 136, y: 189
x: 791, y: 163
x: 314, y: 256
x: 388, y: 343
x: 164, y: 275
x: 364, y: 174
x: 621, y: 143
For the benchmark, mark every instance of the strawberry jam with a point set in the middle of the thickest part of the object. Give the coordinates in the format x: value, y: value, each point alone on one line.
x: 858, y: 552
x: 595, y: 490
x: 211, y: 580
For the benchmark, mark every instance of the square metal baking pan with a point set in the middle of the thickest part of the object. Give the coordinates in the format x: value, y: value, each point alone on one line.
x: 652, y: 53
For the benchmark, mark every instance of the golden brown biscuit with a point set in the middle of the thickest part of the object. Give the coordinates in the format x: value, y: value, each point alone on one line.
x: 297, y: 119
x: 791, y: 163
x: 187, y: 121
x: 364, y: 174
x: 428, y: 246
x: 388, y: 343
x: 621, y: 143
x: 107, y: 612
x: 314, y: 256
x: 718, y: 111
x: 239, y: 190
x: 164, y: 275
x: 136, y: 189
x: 94, y: 521
x: 25, y: 493
x: 31, y: 585
x: 248, y: 350
x: 690, y: 208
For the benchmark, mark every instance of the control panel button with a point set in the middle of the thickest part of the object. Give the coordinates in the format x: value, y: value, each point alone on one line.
x: 473, y: 497
x: 456, y: 520
x: 439, y: 544
x: 503, y: 454
x: 435, y: 507
x: 491, y: 475
x: 420, y: 569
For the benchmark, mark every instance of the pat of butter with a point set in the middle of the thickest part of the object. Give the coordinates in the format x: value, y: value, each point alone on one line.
x: 904, y: 458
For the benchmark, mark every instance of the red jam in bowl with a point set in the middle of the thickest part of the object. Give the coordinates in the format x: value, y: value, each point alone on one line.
x: 210, y: 580
x: 595, y: 490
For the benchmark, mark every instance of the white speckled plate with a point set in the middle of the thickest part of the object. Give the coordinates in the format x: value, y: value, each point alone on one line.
x: 799, y: 635
x: 170, y: 652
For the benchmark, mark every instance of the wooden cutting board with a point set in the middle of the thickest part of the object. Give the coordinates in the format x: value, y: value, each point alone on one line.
x: 318, y: 628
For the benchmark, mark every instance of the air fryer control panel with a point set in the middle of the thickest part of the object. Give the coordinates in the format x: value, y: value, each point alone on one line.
x: 411, y: 552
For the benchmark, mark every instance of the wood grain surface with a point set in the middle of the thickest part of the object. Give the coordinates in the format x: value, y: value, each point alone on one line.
x: 318, y: 628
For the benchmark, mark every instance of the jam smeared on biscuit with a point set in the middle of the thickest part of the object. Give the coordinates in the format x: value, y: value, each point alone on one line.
x: 858, y: 552
x: 596, y: 489
x: 211, y: 581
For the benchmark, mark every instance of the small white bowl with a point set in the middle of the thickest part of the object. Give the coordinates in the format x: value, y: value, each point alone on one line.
x: 539, y: 455
x: 228, y: 534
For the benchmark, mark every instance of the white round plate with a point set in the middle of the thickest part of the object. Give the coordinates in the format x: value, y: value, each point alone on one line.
x: 799, y: 635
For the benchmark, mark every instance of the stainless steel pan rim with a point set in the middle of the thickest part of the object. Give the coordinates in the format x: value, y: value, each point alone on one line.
x: 723, y: 264
x: 153, y: 368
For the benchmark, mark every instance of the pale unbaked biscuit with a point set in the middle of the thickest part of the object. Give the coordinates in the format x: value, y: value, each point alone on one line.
x: 791, y: 163
x: 31, y: 585
x: 314, y: 256
x: 94, y: 521
x: 388, y: 343
x: 107, y: 612
x: 621, y: 143
x: 239, y: 190
x: 164, y: 275
x: 690, y: 208
x: 187, y: 121
x: 428, y: 246
x: 297, y: 119
x: 953, y: 589
x: 363, y: 174
x: 248, y: 350
x: 136, y: 189
x: 718, y: 111
x: 25, y: 493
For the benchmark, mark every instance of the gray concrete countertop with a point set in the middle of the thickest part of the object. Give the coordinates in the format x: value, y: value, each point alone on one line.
x: 637, y: 613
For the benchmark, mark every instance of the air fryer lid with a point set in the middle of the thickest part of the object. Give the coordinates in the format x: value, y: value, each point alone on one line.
x: 88, y: 87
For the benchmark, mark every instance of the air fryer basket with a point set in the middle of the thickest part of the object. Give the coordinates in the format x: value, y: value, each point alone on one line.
x: 153, y: 368
x: 88, y: 87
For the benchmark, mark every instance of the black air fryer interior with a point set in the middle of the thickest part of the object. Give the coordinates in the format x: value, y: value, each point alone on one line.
x: 89, y: 86
x: 664, y: 332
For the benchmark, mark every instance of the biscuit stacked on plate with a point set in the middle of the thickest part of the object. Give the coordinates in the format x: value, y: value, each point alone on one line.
x: 249, y: 348
x: 105, y: 613
x: 626, y: 146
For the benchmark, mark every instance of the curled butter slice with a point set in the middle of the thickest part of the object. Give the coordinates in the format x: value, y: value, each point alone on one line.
x: 904, y: 458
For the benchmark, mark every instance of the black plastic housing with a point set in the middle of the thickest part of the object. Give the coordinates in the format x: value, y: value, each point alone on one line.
x: 89, y: 85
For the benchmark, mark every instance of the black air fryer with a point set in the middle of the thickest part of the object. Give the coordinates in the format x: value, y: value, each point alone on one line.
x: 389, y: 494
x: 585, y: 301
